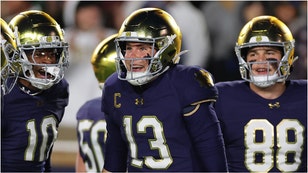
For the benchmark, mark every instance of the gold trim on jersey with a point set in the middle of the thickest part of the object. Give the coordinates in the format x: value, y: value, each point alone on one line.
x: 197, y: 106
x: 115, y: 103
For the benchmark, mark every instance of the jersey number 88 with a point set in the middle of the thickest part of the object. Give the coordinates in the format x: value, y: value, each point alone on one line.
x: 285, y: 146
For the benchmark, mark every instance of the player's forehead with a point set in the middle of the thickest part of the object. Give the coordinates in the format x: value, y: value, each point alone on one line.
x: 53, y: 50
x: 264, y: 48
x: 137, y: 44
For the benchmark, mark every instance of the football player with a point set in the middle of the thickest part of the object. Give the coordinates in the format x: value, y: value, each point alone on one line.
x: 9, y: 54
x: 32, y: 111
x: 91, y: 124
x: 264, y: 116
x: 159, y: 114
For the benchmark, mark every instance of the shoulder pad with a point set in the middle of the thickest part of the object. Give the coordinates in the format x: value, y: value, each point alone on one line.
x: 204, y: 78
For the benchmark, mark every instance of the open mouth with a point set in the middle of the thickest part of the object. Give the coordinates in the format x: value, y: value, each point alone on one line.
x: 262, y: 68
x: 263, y: 71
x: 137, y: 68
x: 44, y: 75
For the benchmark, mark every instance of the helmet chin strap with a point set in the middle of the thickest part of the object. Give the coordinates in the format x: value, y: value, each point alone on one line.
x: 41, y: 84
x: 264, y: 81
x: 54, y: 71
x: 140, y: 78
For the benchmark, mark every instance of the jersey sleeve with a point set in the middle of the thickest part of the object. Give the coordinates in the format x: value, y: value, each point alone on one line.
x: 198, y: 94
x: 204, y: 129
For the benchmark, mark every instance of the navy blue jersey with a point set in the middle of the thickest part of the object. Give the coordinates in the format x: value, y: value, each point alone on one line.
x: 264, y: 135
x: 29, y: 127
x: 147, y: 124
x: 92, y: 132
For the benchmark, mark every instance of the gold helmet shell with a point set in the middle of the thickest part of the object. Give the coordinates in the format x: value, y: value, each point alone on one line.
x: 36, y: 30
x: 35, y: 25
x: 103, y: 59
x: 266, y: 31
x: 154, y: 26
x: 150, y: 23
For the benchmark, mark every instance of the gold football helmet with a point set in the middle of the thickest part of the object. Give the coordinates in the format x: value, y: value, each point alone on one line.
x: 35, y: 32
x: 103, y: 59
x: 9, y: 54
x: 265, y: 31
x: 153, y: 26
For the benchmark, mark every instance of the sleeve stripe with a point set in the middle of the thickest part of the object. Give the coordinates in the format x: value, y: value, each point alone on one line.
x: 197, y: 105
